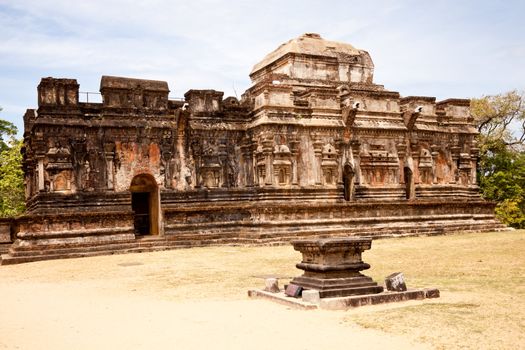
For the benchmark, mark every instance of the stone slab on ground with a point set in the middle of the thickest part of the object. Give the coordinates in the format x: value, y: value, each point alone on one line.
x: 344, y: 303
x: 281, y: 298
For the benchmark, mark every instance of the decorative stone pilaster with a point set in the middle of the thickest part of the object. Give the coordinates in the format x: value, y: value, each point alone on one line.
x: 339, y: 146
x: 254, y: 169
x: 197, y: 154
x: 109, y: 152
x: 401, y: 154
x: 434, y: 153
x: 268, y: 151
x: 294, y: 149
x: 454, y: 151
x: 223, y: 161
x: 40, y: 172
x: 474, y: 155
x: 318, y: 151
x: 246, y: 150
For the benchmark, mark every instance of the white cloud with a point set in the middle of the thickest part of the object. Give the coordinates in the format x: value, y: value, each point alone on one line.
x: 442, y: 48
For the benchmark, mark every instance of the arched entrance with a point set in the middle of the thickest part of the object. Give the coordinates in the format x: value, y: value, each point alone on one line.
x: 145, y: 203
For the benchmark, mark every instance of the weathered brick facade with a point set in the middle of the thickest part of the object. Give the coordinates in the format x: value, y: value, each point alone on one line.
x: 313, y: 148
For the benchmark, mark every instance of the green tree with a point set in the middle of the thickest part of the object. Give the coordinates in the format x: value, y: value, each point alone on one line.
x: 501, y: 123
x: 7, y: 130
x: 11, y: 175
x: 11, y: 180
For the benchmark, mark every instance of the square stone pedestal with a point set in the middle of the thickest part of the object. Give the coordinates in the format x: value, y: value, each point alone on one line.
x: 332, y: 266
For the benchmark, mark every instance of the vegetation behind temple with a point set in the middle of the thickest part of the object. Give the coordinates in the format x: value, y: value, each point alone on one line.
x: 11, y: 175
x: 501, y: 170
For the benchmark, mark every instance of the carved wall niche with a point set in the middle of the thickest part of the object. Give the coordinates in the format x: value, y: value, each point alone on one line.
x: 78, y: 157
x: 425, y: 166
x: 218, y: 159
x: 464, y: 171
x: 260, y: 165
x: 61, y: 182
x: 282, y: 165
x: 329, y: 165
x: 231, y: 168
x: 210, y: 165
x: 169, y: 166
x: 378, y: 166
x: 59, y: 168
x: 443, y: 173
x: 211, y: 176
x: 264, y: 159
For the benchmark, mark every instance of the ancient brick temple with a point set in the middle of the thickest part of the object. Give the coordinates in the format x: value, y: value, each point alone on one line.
x: 313, y: 148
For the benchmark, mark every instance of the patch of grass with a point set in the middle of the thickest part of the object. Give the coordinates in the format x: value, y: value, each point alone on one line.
x: 481, y: 278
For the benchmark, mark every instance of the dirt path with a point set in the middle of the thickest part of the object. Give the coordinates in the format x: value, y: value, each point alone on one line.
x: 40, y: 311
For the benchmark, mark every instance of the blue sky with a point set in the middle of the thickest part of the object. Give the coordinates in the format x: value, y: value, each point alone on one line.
x: 431, y: 48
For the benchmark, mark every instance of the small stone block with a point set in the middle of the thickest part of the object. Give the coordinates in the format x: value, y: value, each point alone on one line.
x: 293, y: 290
x: 396, y: 282
x: 431, y: 293
x: 311, y: 296
x: 271, y: 285
x: 5, y: 233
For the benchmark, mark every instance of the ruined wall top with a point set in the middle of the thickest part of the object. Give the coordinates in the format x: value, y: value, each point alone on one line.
x: 118, y: 92
x: 131, y: 83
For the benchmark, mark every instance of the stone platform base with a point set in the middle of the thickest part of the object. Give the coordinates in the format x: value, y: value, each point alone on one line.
x: 344, y: 303
x: 74, y: 234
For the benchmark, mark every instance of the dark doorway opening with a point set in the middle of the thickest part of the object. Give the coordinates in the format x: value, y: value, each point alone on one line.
x: 140, y: 204
x: 409, y: 186
x: 145, y: 203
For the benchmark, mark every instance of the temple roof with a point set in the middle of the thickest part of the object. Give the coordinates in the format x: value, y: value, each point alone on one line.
x: 308, y: 44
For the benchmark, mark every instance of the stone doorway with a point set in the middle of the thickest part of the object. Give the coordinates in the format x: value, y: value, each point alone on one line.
x: 145, y: 203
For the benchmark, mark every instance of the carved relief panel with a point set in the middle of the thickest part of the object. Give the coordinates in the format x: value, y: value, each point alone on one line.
x: 379, y: 163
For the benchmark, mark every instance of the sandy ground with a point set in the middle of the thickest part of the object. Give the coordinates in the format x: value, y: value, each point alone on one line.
x: 94, y: 303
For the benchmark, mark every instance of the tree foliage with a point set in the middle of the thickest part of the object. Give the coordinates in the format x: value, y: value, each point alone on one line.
x: 12, y: 200
x: 501, y: 123
x: 7, y: 130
